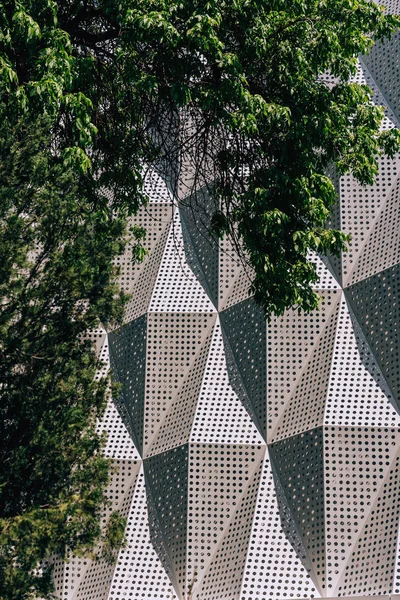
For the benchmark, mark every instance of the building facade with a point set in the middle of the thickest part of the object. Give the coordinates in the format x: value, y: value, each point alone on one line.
x: 257, y: 461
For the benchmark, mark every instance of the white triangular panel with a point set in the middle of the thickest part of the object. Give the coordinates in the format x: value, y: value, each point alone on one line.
x: 223, y: 578
x: 273, y: 569
x: 220, y: 417
x: 139, y: 573
x: 178, y: 419
x: 176, y: 288
x: 356, y: 463
x: 169, y: 363
x: 219, y: 476
x: 374, y: 553
x: 354, y: 397
x: 235, y: 275
x: 326, y: 281
x: 382, y: 248
x: 300, y: 347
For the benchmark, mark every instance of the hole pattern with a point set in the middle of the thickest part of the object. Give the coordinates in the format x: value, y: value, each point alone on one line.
x: 383, y: 64
x: 201, y: 248
x: 273, y: 568
x: 224, y: 576
x: 355, y: 397
x: 377, y: 311
x: 371, y: 567
x: 170, y: 362
x: 360, y: 208
x: 167, y: 484
x: 299, y: 356
x: 139, y: 573
x: 244, y: 331
x: 178, y: 421
x: 382, y: 249
x: 128, y: 363
x: 298, y: 464
x: 356, y: 458
x: 221, y: 417
x: 176, y: 288
x: 234, y: 278
x: 155, y: 219
x: 219, y: 475
x: 155, y: 188
x: 326, y: 281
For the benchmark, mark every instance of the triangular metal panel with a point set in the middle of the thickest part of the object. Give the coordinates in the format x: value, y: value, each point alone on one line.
x: 370, y: 569
x: 200, y: 245
x: 390, y: 120
x: 178, y: 419
x: 119, y: 444
x: 235, y: 275
x: 326, y: 279
x: 128, y: 363
x: 155, y: 218
x: 171, y: 356
x: 219, y: 475
x: 382, y: 62
x: 98, y: 337
x: 143, y: 286
x: 354, y: 396
x: 223, y: 578
x: 167, y: 491
x: 176, y: 288
x: 244, y: 330
x: 375, y: 306
x: 139, y: 573
x: 356, y: 461
x: 361, y: 208
x: 381, y: 249
x: 273, y: 570
x: 300, y: 350
x: 220, y: 416
x: 156, y: 189
x: 298, y: 464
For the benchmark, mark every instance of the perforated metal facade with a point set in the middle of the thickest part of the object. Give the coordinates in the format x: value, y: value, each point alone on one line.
x: 257, y: 462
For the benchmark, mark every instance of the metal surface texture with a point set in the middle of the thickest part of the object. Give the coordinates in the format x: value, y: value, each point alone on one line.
x: 257, y: 461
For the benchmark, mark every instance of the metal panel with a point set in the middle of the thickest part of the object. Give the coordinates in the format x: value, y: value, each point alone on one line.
x: 358, y: 463
x: 173, y: 356
x: 221, y: 418
x: 245, y: 345
x: 273, y: 568
x: 298, y: 464
x: 128, y: 362
x: 201, y: 248
x: 139, y: 573
x: 376, y: 307
x: 223, y: 483
x: 167, y: 489
x: 312, y: 349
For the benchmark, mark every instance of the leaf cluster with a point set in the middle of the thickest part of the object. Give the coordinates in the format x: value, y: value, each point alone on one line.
x: 253, y: 95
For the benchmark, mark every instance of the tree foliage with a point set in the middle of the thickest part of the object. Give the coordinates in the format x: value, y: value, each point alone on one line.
x: 252, y: 95
x: 56, y: 281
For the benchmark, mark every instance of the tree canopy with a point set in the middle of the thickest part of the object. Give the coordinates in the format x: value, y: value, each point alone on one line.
x: 253, y: 96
